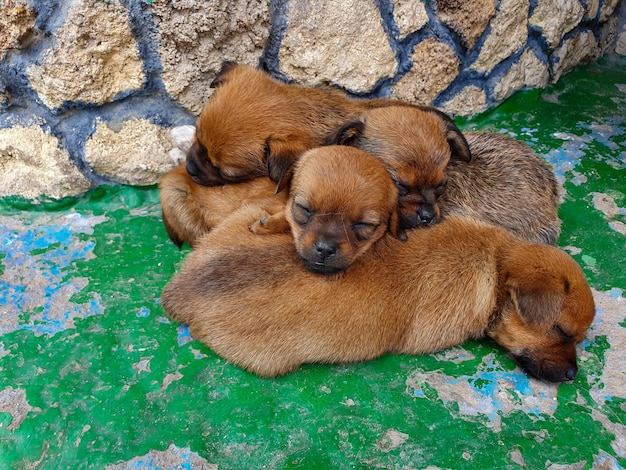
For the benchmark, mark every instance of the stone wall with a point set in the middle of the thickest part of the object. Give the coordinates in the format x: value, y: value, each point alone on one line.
x: 91, y: 90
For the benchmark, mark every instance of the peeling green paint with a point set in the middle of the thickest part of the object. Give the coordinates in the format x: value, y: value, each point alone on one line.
x: 127, y: 385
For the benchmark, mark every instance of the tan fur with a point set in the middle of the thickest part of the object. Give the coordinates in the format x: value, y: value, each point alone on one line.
x: 250, y: 298
x: 191, y: 210
x: 254, y: 125
x: 505, y: 183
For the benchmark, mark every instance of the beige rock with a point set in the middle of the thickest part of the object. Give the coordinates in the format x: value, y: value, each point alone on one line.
x: 33, y: 164
x: 591, y: 9
x: 468, y: 19
x: 16, y: 21
x: 196, y: 37
x: 135, y: 152
x: 435, y: 66
x: 93, y: 59
x: 557, y: 17
x: 620, y: 45
x: 336, y: 41
x: 528, y: 71
x: 410, y: 16
x: 576, y: 50
x: 608, y: 7
x: 509, y: 32
x: 470, y: 100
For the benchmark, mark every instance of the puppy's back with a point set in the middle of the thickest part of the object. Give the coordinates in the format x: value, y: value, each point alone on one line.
x: 505, y: 184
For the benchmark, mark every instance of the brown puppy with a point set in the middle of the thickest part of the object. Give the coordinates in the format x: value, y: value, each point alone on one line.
x: 254, y: 125
x: 191, y: 210
x: 250, y: 299
x: 505, y: 183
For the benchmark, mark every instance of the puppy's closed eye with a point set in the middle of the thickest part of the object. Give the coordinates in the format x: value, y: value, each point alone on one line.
x: 364, y: 230
x: 300, y: 213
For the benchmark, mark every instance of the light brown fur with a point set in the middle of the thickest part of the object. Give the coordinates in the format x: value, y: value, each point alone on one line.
x: 505, y: 183
x: 254, y: 125
x: 250, y: 299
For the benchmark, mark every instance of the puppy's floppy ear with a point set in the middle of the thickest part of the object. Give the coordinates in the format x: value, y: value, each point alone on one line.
x: 280, y: 157
x: 538, y: 303
x: 348, y: 134
x: 456, y: 140
x: 221, y: 77
x: 393, y: 226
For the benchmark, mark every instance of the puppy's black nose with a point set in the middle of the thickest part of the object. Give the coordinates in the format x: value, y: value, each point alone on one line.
x: 570, y: 373
x: 325, y: 249
x: 426, y: 215
x: 192, y: 169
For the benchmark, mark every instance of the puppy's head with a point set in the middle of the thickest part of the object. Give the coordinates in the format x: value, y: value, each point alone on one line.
x: 341, y: 202
x: 547, y: 308
x: 415, y: 144
x: 247, y: 122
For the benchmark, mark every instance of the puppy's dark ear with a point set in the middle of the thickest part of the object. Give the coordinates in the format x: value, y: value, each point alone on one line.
x: 537, y: 304
x: 348, y: 134
x: 221, y: 76
x: 459, y: 147
x: 393, y: 226
x: 280, y: 157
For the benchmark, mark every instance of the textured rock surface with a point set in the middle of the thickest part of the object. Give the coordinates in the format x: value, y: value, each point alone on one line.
x: 580, y: 48
x: 16, y: 21
x: 435, y: 66
x: 556, y: 17
x: 353, y: 52
x: 196, y: 37
x: 509, y: 32
x: 93, y: 59
x: 410, y: 16
x: 468, y: 101
x: 528, y: 71
x: 134, y: 152
x: 468, y: 19
x: 33, y: 164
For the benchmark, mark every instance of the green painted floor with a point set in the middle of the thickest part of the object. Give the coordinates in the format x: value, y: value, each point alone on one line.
x: 93, y: 375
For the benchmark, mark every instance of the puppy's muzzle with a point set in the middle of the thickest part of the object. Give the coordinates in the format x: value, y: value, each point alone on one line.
x: 547, y: 369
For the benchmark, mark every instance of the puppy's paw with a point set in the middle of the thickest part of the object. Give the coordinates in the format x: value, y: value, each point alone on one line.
x: 275, y: 223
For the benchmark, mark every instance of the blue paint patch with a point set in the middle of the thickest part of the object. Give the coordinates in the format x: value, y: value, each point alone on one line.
x: 36, y: 284
x: 143, y: 312
x: 183, y: 335
x: 616, y: 293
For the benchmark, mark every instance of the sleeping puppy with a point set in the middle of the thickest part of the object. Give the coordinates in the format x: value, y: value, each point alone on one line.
x: 254, y: 125
x: 191, y: 210
x: 251, y: 299
x: 505, y: 183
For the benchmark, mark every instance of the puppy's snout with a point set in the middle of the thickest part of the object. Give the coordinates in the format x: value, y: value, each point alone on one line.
x: 325, y: 249
x: 570, y: 373
x: 192, y: 169
x: 426, y: 215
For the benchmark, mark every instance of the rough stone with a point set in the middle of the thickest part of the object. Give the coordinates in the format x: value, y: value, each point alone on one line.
x: 468, y: 19
x: 578, y: 49
x: 435, y: 66
x: 509, y: 32
x: 16, y: 21
x: 470, y: 100
x: 591, y: 9
x: 134, y: 152
x: 196, y: 37
x: 528, y: 71
x: 336, y: 41
x: 608, y: 35
x: 410, y: 16
x: 33, y: 164
x: 608, y: 7
x: 620, y: 46
x: 557, y: 17
x: 93, y: 59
